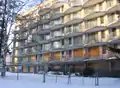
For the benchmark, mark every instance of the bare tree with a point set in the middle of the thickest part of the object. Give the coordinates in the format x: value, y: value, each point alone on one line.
x: 9, y: 8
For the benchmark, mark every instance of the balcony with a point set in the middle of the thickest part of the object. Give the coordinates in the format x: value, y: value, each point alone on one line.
x: 67, y: 30
x: 108, y: 54
x: 75, y: 20
x: 45, y: 9
x: 92, y: 41
x: 116, y: 41
x: 56, y: 5
x: 77, y: 28
x: 94, y: 14
x: 57, y: 34
x: 115, y: 8
x: 46, y: 26
x: 57, y: 45
x: 19, y: 38
x: 76, y: 3
x: 105, y: 40
x: 56, y: 25
x: 43, y: 21
x: 41, y: 31
x: 72, y: 9
x: 95, y: 29
x: 56, y: 14
x: 32, y: 25
x: 88, y: 3
x: 115, y: 24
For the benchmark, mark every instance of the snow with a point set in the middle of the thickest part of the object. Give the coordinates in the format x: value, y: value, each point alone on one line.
x: 29, y: 80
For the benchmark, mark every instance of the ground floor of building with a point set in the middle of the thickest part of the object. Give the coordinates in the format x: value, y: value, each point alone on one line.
x: 103, y: 67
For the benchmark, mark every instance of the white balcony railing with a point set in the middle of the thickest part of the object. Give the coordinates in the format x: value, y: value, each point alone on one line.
x: 75, y: 4
x: 77, y: 16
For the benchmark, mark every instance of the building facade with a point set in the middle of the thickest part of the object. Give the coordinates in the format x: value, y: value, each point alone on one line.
x: 76, y: 30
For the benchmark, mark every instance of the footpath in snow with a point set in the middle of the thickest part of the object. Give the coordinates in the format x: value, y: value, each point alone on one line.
x: 36, y: 81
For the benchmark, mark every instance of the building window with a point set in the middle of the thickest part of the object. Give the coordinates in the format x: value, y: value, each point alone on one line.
x: 68, y: 29
x: 70, y: 41
x: 41, y: 47
x: 104, y: 50
x: 103, y: 34
x: 114, y: 32
x: 63, y: 42
x: 102, y: 20
x: 62, y: 8
x: 57, y: 44
x: 90, y: 9
x: 111, y: 17
x: 62, y: 54
x: 100, y: 6
x: 57, y: 33
x: 76, y: 27
x: 109, y: 3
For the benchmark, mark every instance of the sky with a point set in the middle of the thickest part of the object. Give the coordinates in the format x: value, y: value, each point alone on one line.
x: 30, y: 4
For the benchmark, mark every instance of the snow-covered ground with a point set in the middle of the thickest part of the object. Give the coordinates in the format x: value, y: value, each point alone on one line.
x: 36, y: 81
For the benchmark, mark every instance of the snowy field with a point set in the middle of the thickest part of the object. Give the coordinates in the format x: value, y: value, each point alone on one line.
x: 36, y: 81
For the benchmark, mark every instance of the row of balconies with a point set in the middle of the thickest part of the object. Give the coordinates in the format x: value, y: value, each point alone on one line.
x: 102, y: 53
x: 88, y: 24
x: 89, y: 38
x: 78, y: 15
x: 69, y: 44
x: 96, y: 4
x: 96, y: 8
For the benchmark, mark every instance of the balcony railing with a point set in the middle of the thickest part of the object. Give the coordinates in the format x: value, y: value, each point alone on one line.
x: 75, y: 4
x: 76, y: 16
x: 108, y: 54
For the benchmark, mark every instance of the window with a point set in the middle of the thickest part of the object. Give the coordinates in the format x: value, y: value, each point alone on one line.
x: 41, y: 47
x: 76, y: 15
x: 78, y: 40
x: 114, y: 32
x: 57, y: 33
x: 91, y: 23
x: 102, y: 20
x: 57, y: 44
x: 33, y: 49
x: 70, y: 41
x: 90, y: 9
x: 103, y: 34
x: 109, y: 3
x: 47, y: 46
x: 76, y: 28
x: 63, y: 54
x: 69, y: 53
x: 63, y: 42
x: 100, y: 6
x: 57, y: 10
x: 111, y: 17
x: 104, y: 50
x: 62, y: 8
x: 68, y: 29
x: 47, y: 37
x: 57, y: 21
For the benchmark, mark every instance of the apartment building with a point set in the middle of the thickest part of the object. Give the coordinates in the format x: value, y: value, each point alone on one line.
x: 72, y: 31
